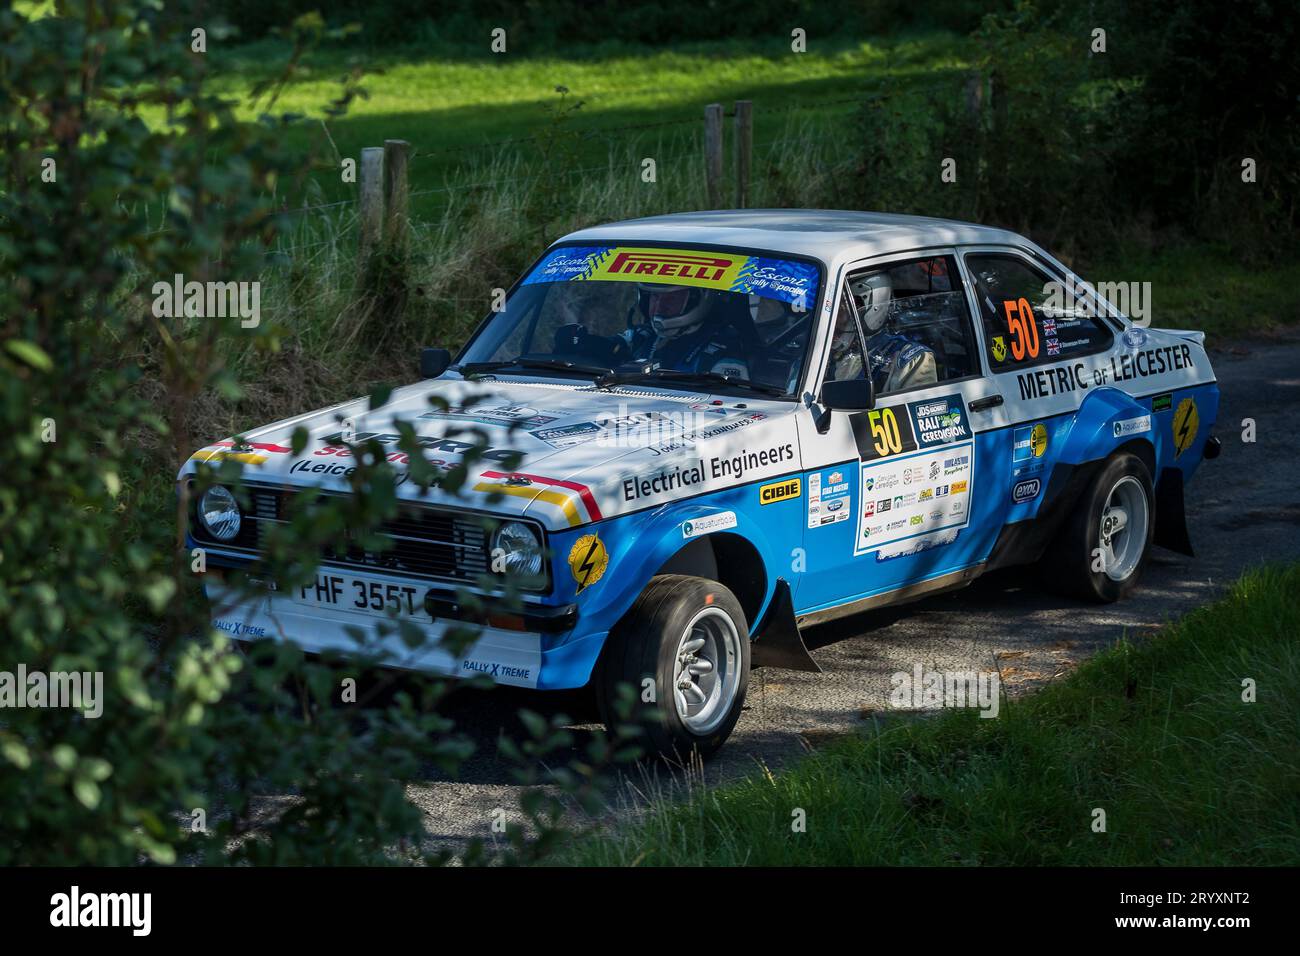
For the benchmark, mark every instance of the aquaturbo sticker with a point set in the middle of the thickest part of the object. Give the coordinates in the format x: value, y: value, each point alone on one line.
x: 1132, y: 426
x: 708, y: 524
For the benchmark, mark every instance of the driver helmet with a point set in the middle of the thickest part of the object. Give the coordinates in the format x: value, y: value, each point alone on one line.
x: 673, y: 310
x: 875, y: 291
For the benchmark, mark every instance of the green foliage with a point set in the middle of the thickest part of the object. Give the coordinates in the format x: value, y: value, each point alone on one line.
x: 99, y: 394
x: 1157, y: 734
x: 465, y: 25
x: 1088, y: 148
x: 1214, y: 90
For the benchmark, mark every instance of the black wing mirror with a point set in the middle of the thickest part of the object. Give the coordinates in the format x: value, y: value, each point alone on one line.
x: 849, y: 395
x: 433, y: 362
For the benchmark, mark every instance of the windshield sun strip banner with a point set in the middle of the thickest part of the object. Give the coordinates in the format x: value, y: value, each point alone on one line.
x: 786, y: 280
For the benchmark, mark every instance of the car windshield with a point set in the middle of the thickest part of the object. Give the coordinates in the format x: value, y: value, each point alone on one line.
x: 671, y: 316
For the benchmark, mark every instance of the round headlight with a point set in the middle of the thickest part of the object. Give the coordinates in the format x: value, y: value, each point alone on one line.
x: 219, y: 513
x: 520, y: 547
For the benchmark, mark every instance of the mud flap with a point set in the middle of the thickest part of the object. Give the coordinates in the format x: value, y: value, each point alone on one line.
x: 1171, y: 518
x: 778, y: 643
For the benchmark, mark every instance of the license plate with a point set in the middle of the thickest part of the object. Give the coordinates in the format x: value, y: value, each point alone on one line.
x: 361, y: 594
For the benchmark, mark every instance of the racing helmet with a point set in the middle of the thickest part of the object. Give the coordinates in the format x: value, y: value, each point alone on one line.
x: 875, y: 292
x: 673, y: 310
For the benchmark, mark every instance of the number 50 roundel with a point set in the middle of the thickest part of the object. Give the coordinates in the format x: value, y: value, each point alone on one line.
x: 882, y: 432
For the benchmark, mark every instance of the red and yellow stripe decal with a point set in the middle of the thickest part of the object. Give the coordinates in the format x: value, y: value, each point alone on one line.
x: 568, y: 496
x: 217, y: 452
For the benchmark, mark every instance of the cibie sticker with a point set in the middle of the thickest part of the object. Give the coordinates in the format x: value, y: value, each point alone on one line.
x: 708, y: 524
x: 588, y: 560
x: 1133, y: 426
x: 1187, y: 421
x: 779, y: 491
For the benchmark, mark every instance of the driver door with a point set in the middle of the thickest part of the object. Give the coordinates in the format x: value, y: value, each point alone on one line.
x: 893, y: 499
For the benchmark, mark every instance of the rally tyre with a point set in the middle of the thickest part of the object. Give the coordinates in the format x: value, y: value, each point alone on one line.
x: 684, y: 650
x: 1106, y: 540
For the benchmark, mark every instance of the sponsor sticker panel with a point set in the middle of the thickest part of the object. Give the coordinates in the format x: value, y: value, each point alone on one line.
x: 931, y: 493
x: 829, y: 496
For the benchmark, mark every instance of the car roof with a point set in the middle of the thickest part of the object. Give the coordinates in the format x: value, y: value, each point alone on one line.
x: 827, y: 234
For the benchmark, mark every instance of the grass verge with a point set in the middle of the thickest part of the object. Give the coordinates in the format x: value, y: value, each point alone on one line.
x: 1157, y: 735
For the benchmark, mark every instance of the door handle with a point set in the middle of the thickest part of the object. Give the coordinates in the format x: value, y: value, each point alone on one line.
x: 985, y: 403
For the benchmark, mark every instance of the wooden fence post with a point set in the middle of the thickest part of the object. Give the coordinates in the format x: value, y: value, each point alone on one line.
x: 975, y: 99
x: 370, y: 213
x: 713, y: 153
x: 397, y: 224
x: 744, y: 150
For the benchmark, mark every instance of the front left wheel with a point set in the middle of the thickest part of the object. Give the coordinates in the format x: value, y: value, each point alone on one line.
x: 683, y: 648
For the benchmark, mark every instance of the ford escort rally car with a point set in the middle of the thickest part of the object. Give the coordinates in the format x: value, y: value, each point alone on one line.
x: 729, y: 426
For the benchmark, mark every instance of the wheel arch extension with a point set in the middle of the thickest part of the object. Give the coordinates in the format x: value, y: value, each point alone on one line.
x: 731, y: 560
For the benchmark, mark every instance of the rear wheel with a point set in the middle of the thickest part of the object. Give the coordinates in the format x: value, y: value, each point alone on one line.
x: 1104, y: 546
x: 684, y: 649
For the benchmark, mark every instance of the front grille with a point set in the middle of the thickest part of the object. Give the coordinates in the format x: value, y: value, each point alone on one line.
x: 425, y: 542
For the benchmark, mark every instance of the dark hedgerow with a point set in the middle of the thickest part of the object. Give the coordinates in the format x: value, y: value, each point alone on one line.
x: 197, y: 752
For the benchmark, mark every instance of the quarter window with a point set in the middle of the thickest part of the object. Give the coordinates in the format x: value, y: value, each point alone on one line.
x: 1024, y: 323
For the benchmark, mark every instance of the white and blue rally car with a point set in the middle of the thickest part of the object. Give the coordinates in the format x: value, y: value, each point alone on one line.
x: 734, y: 425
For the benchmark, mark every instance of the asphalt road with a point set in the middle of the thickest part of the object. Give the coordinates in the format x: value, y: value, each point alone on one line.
x: 1243, y: 508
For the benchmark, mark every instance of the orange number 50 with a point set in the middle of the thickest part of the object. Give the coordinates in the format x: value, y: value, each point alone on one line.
x: 1024, y: 331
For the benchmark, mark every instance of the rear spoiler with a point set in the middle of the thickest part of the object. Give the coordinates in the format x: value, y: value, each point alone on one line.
x: 1190, y: 336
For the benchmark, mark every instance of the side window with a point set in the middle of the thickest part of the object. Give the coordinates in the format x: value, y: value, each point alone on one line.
x: 1020, y: 326
x: 917, y: 325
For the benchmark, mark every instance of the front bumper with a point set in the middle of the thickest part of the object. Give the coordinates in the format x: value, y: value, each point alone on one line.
x: 535, y: 648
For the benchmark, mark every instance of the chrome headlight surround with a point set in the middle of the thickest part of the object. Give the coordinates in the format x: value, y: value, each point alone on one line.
x: 219, y: 513
x: 520, y: 544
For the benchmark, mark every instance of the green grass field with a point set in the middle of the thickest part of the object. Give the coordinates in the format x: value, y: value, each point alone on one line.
x: 1157, y: 735
x: 456, y: 113
x: 490, y: 133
